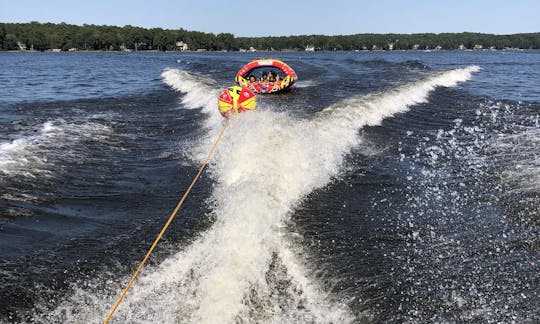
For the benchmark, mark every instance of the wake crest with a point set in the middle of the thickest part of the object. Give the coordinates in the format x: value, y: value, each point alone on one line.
x: 199, y: 92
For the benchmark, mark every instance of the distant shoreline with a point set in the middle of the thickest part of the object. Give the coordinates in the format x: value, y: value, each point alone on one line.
x: 35, y: 36
x: 274, y: 51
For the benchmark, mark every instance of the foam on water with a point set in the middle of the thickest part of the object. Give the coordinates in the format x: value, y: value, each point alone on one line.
x: 27, y: 155
x: 524, y: 175
x: 15, y: 158
x: 467, y: 183
x: 36, y: 156
x: 200, y: 92
x: 243, y: 268
x: 305, y: 84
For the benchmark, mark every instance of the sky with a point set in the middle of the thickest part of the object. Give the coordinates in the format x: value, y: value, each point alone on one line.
x: 288, y: 17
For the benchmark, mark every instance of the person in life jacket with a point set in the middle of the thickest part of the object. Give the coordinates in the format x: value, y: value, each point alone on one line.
x: 236, y: 99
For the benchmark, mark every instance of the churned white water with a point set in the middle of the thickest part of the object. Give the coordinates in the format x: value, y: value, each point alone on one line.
x: 200, y: 92
x: 33, y: 155
x: 524, y: 175
x: 244, y: 268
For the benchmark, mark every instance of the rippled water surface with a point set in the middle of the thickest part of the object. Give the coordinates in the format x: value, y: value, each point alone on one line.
x: 384, y: 187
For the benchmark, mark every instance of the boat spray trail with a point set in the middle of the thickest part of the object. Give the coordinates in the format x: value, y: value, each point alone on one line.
x: 244, y: 268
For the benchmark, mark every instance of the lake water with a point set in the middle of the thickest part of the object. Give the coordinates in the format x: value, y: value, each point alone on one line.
x: 384, y: 187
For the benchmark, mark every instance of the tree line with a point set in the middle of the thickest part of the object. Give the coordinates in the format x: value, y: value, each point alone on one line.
x: 47, y: 36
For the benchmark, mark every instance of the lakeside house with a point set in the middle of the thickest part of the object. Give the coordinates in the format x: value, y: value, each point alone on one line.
x: 182, y: 46
x: 22, y: 47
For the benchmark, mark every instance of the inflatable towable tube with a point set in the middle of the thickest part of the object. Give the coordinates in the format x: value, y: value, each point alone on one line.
x: 236, y: 99
x: 252, y: 76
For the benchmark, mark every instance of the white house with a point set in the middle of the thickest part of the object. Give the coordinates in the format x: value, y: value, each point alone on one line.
x: 181, y: 46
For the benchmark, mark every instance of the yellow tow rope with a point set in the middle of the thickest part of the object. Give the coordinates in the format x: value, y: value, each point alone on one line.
x: 169, y: 221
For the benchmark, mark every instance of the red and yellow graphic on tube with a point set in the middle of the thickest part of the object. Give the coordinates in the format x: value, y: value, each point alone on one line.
x: 266, y: 76
x: 236, y: 99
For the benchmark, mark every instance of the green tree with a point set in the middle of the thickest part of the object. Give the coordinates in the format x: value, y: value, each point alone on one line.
x: 2, y: 36
x: 86, y: 37
x: 225, y: 41
x: 10, y: 42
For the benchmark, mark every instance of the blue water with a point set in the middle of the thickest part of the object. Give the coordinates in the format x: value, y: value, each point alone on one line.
x: 67, y: 76
x: 384, y: 187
